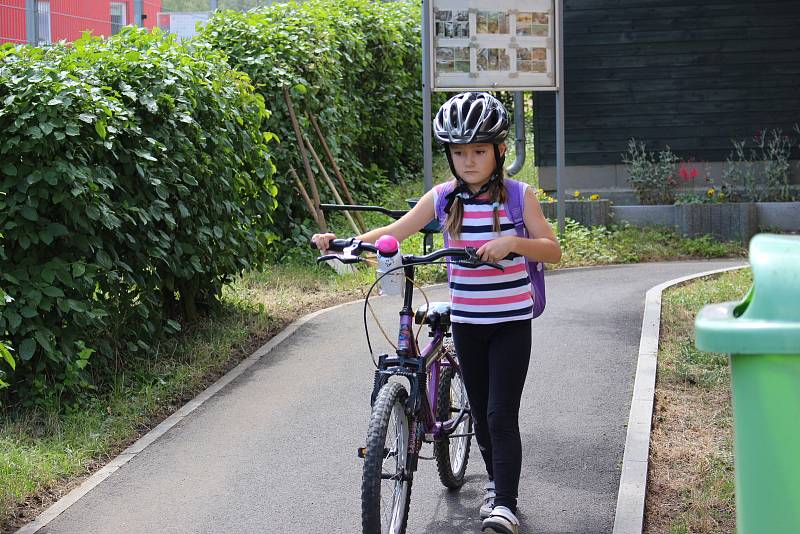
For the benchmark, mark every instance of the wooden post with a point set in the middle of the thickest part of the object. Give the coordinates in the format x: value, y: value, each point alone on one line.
x: 332, y: 186
x: 304, y: 193
x: 336, y: 171
x: 306, y: 165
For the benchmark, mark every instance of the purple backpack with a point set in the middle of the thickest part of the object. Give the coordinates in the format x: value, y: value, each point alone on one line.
x: 515, y: 205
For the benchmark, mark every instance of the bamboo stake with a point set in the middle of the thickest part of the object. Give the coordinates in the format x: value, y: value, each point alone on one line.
x: 304, y: 193
x: 331, y: 185
x: 336, y: 171
x: 306, y: 165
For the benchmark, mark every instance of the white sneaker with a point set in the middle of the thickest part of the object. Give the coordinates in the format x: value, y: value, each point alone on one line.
x: 488, y: 499
x: 501, y: 521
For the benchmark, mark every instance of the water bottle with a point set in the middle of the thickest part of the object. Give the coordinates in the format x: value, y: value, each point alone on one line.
x: 389, y: 258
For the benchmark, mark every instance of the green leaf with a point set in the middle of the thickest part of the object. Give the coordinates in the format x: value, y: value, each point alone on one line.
x: 26, y: 349
x: 52, y: 291
x: 100, y: 128
x: 9, y: 169
x: 87, y: 117
x: 104, y: 259
x: 44, y: 342
x: 48, y: 274
x: 29, y: 213
x: 6, y: 354
x: 64, y: 277
x: 78, y: 269
x: 14, y: 320
x: 144, y: 155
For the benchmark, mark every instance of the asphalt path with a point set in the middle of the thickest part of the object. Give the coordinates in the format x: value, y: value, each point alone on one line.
x: 275, y: 450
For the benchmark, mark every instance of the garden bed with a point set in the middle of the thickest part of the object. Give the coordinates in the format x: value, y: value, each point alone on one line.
x: 734, y: 221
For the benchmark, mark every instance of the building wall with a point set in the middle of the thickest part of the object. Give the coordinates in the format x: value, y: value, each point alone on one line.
x: 70, y: 18
x: 691, y: 75
x: 12, y: 21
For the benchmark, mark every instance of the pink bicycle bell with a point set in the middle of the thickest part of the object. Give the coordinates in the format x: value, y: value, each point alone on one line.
x: 390, y: 266
x: 388, y: 245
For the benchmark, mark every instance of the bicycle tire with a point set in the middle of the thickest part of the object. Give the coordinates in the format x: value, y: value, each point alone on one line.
x: 452, y: 454
x: 388, y: 419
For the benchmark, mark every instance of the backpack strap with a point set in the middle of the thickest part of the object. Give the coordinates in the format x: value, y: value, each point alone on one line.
x: 516, y: 205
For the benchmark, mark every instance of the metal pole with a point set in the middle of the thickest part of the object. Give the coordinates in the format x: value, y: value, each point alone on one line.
x: 427, y: 137
x: 31, y: 22
x: 519, y: 134
x: 560, y: 155
x: 138, y: 11
x: 213, y: 4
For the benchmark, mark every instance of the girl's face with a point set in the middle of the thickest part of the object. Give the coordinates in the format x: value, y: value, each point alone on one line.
x: 475, y: 163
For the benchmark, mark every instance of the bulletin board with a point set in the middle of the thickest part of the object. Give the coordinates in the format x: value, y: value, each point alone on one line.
x: 493, y: 45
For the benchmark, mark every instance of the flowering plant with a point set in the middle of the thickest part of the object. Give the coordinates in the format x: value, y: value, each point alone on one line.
x: 577, y: 195
x: 651, y: 174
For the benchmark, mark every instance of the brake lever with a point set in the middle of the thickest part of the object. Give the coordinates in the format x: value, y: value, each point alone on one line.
x: 475, y: 261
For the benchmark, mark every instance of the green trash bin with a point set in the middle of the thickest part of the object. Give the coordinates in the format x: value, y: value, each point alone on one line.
x: 762, y: 335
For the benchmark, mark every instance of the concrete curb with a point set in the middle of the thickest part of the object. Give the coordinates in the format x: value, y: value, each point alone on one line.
x: 629, y: 516
x: 128, y: 454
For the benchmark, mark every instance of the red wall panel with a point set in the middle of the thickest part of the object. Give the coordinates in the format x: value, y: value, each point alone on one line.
x: 151, y: 8
x: 69, y: 18
x: 12, y: 21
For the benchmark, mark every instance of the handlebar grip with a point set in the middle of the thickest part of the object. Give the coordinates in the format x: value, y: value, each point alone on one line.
x: 337, y: 245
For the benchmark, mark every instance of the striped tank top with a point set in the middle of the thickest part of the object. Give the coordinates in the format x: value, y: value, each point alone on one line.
x: 485, y: 295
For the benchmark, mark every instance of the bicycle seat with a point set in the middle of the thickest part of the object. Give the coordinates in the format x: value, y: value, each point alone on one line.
x: 437, y: 312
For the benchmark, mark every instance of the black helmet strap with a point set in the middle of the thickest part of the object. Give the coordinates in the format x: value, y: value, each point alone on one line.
x: 462, y: 190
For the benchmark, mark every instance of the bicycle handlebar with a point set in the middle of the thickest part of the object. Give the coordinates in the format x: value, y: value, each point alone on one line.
x: 468, y: 255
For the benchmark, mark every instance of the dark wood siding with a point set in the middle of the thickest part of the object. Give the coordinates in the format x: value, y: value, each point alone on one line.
x: 685, y: 73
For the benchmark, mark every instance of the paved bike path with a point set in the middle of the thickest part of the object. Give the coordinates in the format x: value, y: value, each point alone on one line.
x: 275, y: 450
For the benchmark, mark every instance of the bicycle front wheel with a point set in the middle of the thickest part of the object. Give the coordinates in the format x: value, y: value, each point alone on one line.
x: 452, y: 452
x: 386, y: 481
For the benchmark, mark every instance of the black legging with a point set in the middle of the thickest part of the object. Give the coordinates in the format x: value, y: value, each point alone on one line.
x: 494, y: 360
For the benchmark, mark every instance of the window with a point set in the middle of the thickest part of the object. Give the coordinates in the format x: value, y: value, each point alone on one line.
x: 43, y: 21
x: 118, y: 16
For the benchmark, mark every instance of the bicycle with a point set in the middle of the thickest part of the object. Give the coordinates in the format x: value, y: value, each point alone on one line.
x: 433, y: 409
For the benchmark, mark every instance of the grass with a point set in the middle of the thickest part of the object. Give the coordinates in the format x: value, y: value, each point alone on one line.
x: 690, y: 479
x: 45, y: 454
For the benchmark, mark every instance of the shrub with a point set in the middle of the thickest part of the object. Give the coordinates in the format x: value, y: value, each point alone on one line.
x: 355, y: 64
x: 763, y: 171
x: 652, y: 175
x: 138, y: 181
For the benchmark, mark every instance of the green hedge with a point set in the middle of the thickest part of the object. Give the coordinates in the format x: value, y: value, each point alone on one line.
x: 137, y: 180
x: 355, y: 64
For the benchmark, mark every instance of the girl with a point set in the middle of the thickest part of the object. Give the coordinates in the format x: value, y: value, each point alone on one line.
x: 491, y: 309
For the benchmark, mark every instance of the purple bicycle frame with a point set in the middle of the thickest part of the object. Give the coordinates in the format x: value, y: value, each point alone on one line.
x: 433, y: 363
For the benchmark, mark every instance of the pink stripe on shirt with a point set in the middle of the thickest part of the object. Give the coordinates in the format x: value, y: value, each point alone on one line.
x: 479, y: 214
x: 475, y: 273
x: 490, y: 301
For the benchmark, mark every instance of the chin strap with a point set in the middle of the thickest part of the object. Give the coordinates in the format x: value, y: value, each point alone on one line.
x: 461, y: 190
